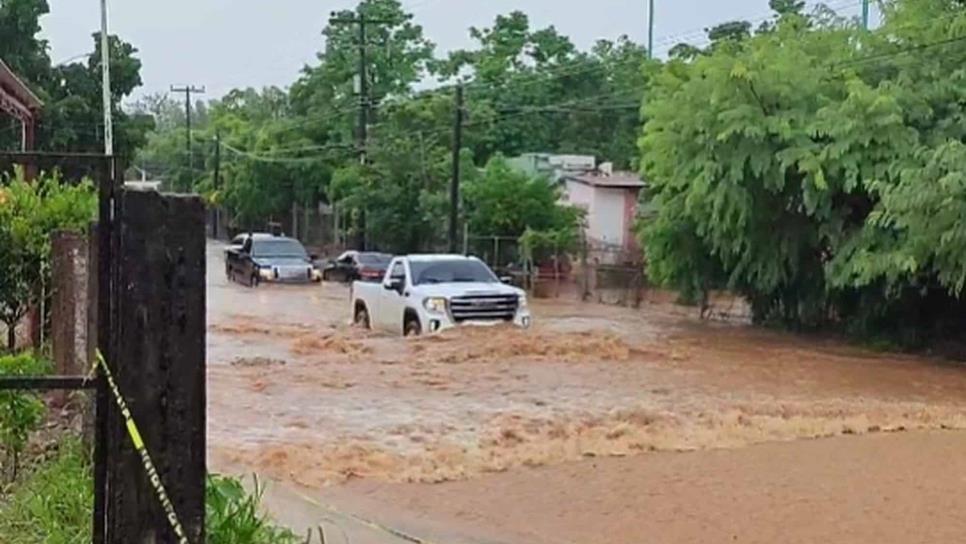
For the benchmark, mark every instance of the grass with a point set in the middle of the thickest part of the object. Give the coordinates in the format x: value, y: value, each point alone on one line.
x: 234, y: 516
x: 53, y: 500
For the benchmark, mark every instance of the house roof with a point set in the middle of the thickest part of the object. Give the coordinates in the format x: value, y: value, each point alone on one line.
x: 617, y: 180
x: 15, y: 97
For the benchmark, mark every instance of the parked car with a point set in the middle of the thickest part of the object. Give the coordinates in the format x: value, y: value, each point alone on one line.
x: 429, y: 293
x: 269, y: 258
x: 355, y: 265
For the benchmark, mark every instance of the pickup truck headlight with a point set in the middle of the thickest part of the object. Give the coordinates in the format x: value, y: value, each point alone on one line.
x: 266, y: 273
x: 523, y: 302
x: 435, y: 305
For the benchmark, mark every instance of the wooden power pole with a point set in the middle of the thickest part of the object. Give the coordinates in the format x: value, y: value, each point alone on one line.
x: 188, y: 90
x: 454, y: 187
x: 365, y: 102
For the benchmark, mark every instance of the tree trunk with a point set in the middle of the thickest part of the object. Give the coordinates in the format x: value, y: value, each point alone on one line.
x: 12, y: 337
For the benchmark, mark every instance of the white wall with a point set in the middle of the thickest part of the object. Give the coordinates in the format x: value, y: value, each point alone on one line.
x: 605, y: 211
x: 608, y: 224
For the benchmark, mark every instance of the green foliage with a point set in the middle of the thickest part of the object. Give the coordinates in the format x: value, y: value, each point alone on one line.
x: 20, y: 412
x: 72, y: 115
x: 52, y: 504
x: 538, y: 245
x: 233, y: 516
x: 29, y: 213
x: 505, y: 202
x: 533, y: 91
x: 816, y: 169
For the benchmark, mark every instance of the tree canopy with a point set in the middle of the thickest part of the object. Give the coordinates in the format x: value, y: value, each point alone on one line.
x: 72, y: 118
x: 531, y: 90
x: 816, y: 168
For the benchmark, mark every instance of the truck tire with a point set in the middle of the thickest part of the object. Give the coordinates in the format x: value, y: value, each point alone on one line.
x: 361, y: 317
x: 411, y: 326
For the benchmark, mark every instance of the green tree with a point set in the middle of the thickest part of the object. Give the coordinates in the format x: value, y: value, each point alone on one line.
x: 72, y: 118
x: 29, y: 213
x: 806, y: 172
x: 506, y: 202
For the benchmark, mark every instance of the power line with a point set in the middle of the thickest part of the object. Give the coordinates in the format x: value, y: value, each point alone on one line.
x: 892, y: 54
x: 533, y: 76
x: 277, y: 160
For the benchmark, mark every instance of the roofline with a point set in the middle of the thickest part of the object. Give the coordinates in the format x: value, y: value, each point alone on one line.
x: 32, y: 101
x: 603, y: 183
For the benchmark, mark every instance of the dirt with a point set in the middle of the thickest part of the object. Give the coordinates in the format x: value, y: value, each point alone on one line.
x: 590, y: 383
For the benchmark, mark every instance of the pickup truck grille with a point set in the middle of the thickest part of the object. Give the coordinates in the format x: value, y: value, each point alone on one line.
x: 484, y: 307
x: 288, y: 273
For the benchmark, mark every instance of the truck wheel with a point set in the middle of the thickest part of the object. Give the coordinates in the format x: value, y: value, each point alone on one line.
x: 361, y: 318
x: 411, y: 326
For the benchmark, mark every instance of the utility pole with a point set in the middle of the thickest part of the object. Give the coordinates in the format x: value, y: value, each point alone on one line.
x: 362, y: 131
x: 216, y: 184
x: 454, y: 187
x: 106, y: 83
x: 650, y: 29
x: 865, y: 14
x: 188, y: 90
x: 362, y: 22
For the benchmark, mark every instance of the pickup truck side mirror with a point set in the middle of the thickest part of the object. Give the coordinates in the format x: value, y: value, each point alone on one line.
x: 394, y: 284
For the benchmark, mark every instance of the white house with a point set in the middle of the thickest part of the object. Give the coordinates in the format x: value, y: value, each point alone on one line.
x: 610, y: 200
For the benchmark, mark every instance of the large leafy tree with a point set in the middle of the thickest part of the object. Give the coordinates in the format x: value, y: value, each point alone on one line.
x: 72, y: 119
x: 532, y: 90
x: 802, y: 168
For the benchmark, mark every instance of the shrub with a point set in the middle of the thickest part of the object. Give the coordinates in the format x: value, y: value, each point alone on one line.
x: 20, y: 412
x: 233, y: 516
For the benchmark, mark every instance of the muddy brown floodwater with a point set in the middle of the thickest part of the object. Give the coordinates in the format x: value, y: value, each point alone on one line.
x: 298, y: 395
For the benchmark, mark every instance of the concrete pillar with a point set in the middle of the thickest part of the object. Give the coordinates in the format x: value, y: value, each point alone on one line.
x: 69, y: 302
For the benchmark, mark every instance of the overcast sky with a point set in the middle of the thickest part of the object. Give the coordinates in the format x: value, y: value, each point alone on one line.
x: 225, y: 44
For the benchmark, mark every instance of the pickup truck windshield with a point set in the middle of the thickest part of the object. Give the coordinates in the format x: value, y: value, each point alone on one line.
x: 277, y: 248
x: 455, y: 271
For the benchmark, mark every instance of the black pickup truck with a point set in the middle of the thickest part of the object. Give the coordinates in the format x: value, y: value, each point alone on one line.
x: 268, y: 258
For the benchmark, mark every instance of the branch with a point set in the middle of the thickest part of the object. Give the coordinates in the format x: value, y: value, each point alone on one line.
x: 761, y: 103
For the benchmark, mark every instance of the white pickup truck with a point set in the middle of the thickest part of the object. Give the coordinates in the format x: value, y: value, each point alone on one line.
x: 430, y: 293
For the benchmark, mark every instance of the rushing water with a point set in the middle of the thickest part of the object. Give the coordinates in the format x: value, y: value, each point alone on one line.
x: 297, y: 393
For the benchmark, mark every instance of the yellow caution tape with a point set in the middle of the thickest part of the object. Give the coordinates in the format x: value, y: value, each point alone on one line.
x: 138, y: 442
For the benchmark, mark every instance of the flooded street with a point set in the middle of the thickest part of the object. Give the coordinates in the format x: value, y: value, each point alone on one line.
x: 576, y: 427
